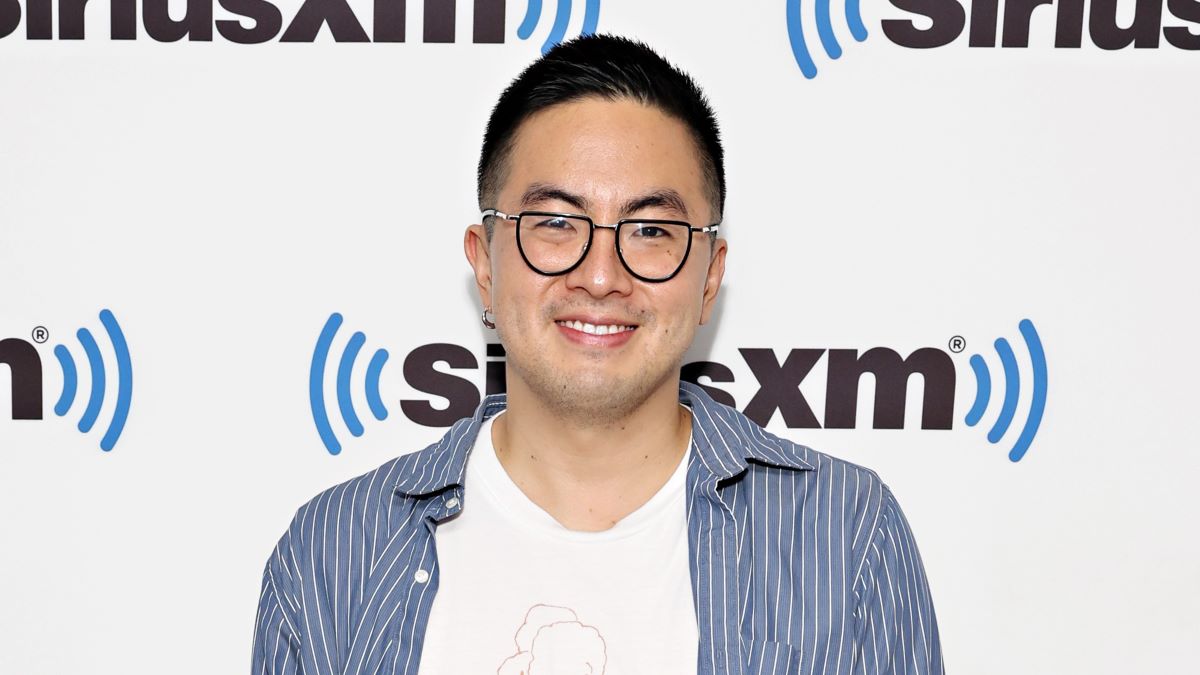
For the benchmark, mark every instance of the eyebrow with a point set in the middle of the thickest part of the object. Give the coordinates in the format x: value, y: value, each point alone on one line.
x: 664, y: 198
x: 544, y: 192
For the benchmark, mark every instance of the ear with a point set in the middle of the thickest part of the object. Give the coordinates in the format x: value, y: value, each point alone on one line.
x: 475, y: 245
x: 712, y: 280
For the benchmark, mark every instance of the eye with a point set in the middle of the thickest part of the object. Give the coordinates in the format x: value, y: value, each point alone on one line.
x: 648, y: 231
x: 554, y: 223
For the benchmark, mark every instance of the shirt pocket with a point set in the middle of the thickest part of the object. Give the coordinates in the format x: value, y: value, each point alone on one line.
x: 772, y: 658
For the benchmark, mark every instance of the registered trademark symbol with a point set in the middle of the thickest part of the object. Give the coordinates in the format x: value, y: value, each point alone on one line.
x: 957, y: 344
x: 40, y: 334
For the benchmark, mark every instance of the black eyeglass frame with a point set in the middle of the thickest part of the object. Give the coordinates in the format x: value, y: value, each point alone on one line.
x: 615, y: 227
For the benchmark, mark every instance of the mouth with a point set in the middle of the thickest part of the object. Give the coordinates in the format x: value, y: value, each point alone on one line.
x: 595, y: 328
x: 596, y: 332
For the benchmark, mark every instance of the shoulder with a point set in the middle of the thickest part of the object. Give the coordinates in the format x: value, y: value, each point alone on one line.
x: 396, y: 483
x: 353, y: 518
x: 360, y: 515
x: 811, y: 490
x: 730, y: 435
x: 357, y: 497
x: 839, y: 496
x: 843, y: 484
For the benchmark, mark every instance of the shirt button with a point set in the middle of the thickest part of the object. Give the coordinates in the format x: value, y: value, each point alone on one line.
x: 452, y: 502
x: 421, y: 576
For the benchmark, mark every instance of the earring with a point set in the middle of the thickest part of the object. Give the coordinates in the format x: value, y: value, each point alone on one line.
x: 486, y: 321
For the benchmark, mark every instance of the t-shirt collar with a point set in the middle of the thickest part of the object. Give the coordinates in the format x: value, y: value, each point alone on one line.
x: 724, y: 442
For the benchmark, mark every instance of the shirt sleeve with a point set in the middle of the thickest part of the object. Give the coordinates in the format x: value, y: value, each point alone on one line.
x: 276, y: 642
x: 897, y: 629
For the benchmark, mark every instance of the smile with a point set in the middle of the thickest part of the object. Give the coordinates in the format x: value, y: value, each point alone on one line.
x: 593, y: 329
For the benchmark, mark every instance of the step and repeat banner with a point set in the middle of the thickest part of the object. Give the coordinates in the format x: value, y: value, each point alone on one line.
x: 962, y: 252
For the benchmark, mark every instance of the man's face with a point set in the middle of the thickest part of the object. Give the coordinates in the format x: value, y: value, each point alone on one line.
x: 598, y: 158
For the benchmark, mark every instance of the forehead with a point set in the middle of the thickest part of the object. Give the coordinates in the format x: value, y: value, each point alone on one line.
x: 606, y: 151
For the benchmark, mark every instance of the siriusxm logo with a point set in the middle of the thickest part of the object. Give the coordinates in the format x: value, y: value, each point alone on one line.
x: 1012, y: 383
x: 821, y: 14
x: 779, y: 385
x: 257, y: 21
x: 533, y: 12
x: 316, y: 384
x: 938, y: 23
x: 25, y: 366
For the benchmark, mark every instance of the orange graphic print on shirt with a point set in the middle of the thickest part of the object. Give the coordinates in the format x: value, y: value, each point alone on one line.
x: 553, y: 641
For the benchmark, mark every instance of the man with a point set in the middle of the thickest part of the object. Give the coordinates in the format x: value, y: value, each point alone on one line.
x: 610, y: 518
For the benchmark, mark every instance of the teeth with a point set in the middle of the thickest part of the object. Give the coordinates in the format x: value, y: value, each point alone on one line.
x: 592, y: 329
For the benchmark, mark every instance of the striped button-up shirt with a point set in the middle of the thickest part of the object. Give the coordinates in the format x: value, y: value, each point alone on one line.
x: 800, y: 563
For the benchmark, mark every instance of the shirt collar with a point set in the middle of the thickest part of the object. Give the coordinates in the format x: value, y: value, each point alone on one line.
x: 724, y: 441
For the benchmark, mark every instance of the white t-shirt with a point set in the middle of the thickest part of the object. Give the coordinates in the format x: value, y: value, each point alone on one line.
x: 522, y: 595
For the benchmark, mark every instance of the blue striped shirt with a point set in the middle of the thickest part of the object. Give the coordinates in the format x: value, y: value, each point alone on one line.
x: 800, y: 563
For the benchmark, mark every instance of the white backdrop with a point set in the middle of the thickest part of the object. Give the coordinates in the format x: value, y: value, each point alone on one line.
x: 222, y: 200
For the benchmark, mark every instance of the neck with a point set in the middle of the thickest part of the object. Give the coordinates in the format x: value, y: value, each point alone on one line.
x: 590, y: 473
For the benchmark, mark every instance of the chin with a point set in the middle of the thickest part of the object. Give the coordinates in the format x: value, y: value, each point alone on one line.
x: 589, y: 394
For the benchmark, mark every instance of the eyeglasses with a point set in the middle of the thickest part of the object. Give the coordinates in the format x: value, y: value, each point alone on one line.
x: 556, y: 243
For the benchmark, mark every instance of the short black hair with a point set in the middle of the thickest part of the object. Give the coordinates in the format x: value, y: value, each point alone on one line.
x: 609, y: 67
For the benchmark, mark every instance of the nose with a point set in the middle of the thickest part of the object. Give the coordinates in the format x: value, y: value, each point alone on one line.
x: 601, y: 272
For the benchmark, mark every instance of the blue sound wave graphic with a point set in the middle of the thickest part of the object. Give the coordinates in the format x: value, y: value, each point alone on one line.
x: 829, y: 42
x: 316, y: 384
x: 99, y: 380
x: 1012, y: 390
x: 533, y: 13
